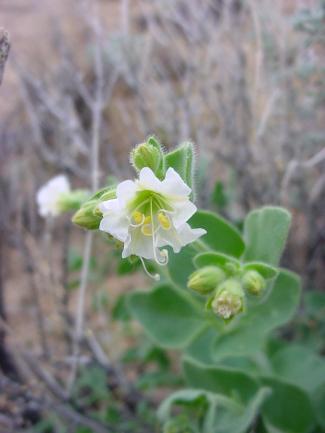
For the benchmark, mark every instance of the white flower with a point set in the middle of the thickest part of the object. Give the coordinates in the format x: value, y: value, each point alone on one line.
x: 48, y: 196
x: 148, y: 214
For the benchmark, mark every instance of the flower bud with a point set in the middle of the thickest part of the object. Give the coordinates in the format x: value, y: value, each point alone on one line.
x: 89, y: 216
x: 206, y: 279
x: 147, y: 155
x: 253, y: 282
x: 231, y: 269
x: 229, y: 299
x: 72, y: 200
x: 86, y: 216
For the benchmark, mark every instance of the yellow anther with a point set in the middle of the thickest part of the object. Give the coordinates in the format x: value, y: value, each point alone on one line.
x: 147, y: 229
x: 147, y: 220
x: 138, y: 217
x: 164, y: 221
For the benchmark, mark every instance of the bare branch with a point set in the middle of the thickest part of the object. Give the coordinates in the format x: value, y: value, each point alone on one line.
x: 4, y: 51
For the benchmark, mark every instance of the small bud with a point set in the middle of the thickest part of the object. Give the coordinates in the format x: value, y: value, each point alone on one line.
x: 86, y: 216
x: 72, y: 200
x: 89, y: 216
x: 206, y: 279
x: 253, y: 282
x: 147, y: 155
x: 231, y: 269
x: 229, y: 299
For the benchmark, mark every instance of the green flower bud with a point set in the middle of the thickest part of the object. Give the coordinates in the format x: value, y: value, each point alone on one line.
x: 89, y: 216
x: 72, y: 200
x: 231, y: 268
x: 86, y: 216
x: 206, y: 279
x: 147, y: 155
x: 253, y: 282
x: 229, y: 299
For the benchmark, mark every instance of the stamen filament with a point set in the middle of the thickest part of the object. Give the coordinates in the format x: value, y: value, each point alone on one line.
x: 163, y: 253
x: 156, y: 277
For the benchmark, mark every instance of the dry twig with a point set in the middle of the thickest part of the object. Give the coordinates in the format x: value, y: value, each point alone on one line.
x: 4, y: 51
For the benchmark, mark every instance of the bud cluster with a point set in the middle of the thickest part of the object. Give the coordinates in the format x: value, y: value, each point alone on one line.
x: 226, y: 285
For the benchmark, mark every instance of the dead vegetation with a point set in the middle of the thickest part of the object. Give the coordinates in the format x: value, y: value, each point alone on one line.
x: 242, y: 80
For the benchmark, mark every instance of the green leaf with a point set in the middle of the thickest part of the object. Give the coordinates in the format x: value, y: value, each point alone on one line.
x: 300, y: 366
x: 230, y: 421
x: 182, y: 161
x: 288, y: 409
x: 223, y: 415
x: 201, y: 347
x: 183, y: 396
x: 318, y: 400
x: 265, y: 270
x: 265, y: 234
x: 232, y: 383
x: 180, y: 266
x: 170, y: 317
x: 217, y: 259
x: 221, y: 236
x: 304, y: 368
x: 247, y: 335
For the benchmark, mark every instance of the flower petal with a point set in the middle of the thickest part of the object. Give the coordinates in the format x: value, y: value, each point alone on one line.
x: 188, y: 235
x: 114, y: 222
x: 48, y: 195
x: 179, y: 238
x: 125, y: 191
x: 174, y: 185
x: 139, y: 245
x: 148, y: 180
x: 59, y: 183
x: 112, y: 205
x: 183, y: 210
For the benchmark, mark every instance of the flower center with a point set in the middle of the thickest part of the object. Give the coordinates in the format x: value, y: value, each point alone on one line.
x: 146, y: 222
x: 149, y: 215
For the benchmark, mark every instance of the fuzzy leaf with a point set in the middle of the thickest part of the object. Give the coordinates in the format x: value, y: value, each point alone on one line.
x: 288, y: 409
x: 182, y: 160
x: 265, y: 234
x: 265, y: 270
x: 170, y: 317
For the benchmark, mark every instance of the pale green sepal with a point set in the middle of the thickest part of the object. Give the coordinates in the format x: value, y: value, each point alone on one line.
x: 89, y: 216
x: 73, y: 200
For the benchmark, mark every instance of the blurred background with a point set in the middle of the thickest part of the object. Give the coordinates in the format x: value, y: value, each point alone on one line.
x: 242, y: 79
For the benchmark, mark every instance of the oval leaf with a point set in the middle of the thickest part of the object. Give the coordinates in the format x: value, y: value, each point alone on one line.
x: 170, y: 317
x: 265, y: 270
x: 265, y: 234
